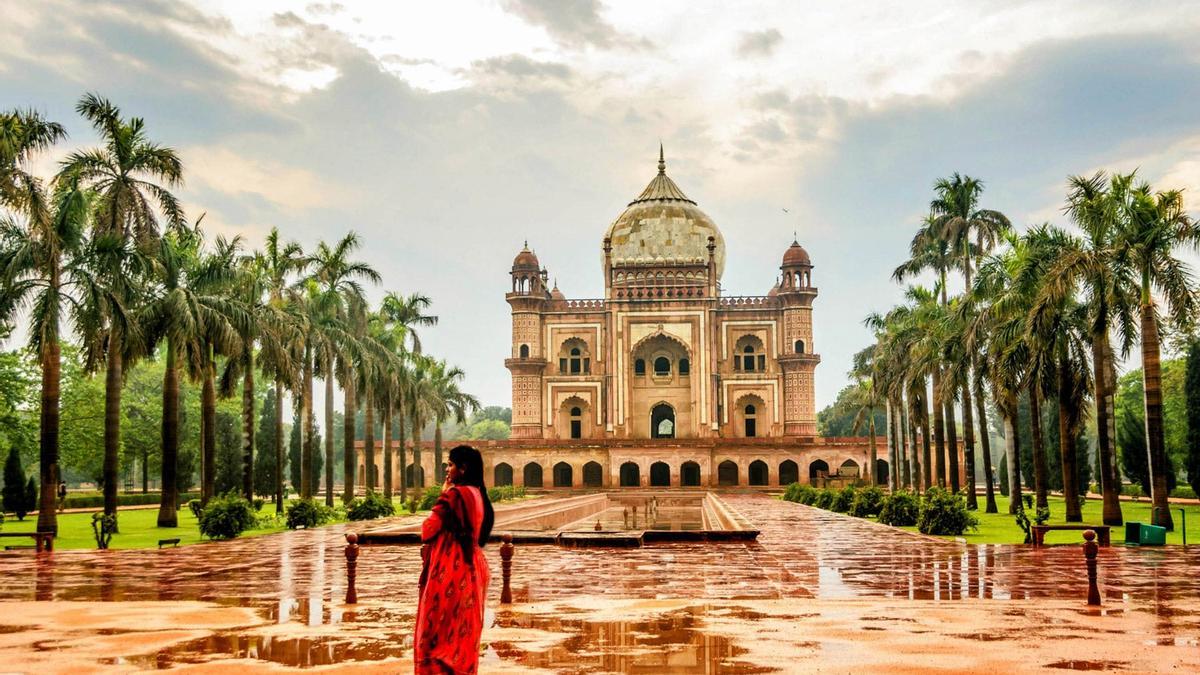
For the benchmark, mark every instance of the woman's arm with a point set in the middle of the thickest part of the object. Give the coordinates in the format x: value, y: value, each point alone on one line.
x: 436, y: 520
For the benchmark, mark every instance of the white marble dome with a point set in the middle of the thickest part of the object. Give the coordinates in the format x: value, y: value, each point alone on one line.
x: 664, y: 225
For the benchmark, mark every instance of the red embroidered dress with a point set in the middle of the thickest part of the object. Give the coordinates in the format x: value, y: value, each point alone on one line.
x: 453, y: 585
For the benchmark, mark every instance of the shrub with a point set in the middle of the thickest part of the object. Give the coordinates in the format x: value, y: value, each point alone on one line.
x: 14, y: 484
x: 258, y: 502
x: 1133, y: 490
x: 374, y: 505
x: 104, y: 526
x: 412, y: 505
x: 843, y: 499
x: 95, y: 500
x: 31, y: 495
x: 944, y: 513
x: 307, y: 513
x: 195, y: 508
x: 226, y: 517
x: 430, y: 497
x: 1183, y: 492
x: 900, y: 508
x: 822, y: 499
x: 867, y: 502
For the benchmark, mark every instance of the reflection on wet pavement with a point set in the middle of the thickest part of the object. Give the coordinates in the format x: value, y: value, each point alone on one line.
x: 298, y: 578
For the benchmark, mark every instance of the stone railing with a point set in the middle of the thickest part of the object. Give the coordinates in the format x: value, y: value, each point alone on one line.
x: 745, y: 301
x: 589, y: 303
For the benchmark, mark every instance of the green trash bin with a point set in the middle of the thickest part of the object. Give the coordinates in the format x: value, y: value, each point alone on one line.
x: 1152, y: 535
x: 1133, y: 533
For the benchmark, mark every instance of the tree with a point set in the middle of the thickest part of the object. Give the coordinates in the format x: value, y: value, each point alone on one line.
x: 227, y: 472
x: 125, y: 175
x: 265, y: 460
x: 281, y: 354
x: 869, y: 401
x: 1131, y: 430
x: 447, y: 401
x: 1150, y: 227
x: 296, y: 451
x: 14, y: 484
x: 1192, y: 390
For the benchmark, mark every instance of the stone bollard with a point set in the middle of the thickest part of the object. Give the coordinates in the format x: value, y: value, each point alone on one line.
x: 1090, y: 549
x: 351, y: 567
x: 506, y: 554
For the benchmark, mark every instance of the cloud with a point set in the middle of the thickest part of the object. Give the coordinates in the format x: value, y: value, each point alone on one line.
x: 287, y: 188
x: 571, y: 23
x: 521, y: 67
x: 759, y: 43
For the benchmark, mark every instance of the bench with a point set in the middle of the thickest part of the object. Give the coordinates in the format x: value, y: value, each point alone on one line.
x: 43, y: 541
x: 171, y: 542
x: 1102, y: 534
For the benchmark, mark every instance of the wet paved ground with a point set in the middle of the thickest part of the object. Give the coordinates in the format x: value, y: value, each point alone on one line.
x: 843, y: 571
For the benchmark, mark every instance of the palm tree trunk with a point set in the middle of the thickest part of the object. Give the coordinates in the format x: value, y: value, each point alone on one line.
x: 969, y: 444
x: 437, y: 452
x: 403, y: 453
x: 904, y: 476
x: 112, y: 421
x: 349, y: 461
x: 914, y: 451
x: 48, y: 445
x: 1155, y: 446
x: 1066, y: 444
x: 952, y: 445
x: 985, y: 445
x: 387, y: 448
x: 306, y: 431
x: 168, y: 505
x: 926, y: 454
x: 369, y: 442
x: 890, y: 441
x: 418, y: 469
x: 328, y: 431
x: 870, y: 462
x: 1012, y: 448
x: 939, y: 430
x: 280, y: 459
x: 208, y: 430
x: 1106, y: 447
x: 1039, y: 452
x: 248, y: 426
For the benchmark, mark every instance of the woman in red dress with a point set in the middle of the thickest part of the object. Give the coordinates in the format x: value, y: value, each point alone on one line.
x: 455, y: 576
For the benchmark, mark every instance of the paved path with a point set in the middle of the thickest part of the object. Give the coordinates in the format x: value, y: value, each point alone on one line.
x: 802, y: 553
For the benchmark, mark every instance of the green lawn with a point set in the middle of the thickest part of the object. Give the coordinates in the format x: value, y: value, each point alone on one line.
x: 1001, y: 528
x: 138, y: 529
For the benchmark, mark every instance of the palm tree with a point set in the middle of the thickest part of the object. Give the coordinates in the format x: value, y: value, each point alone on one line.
x: 867, y: 400
x: 279, y: 359
x: 958, y: 217
x: 420, y: 400
x: 447, y: 402
x: 189, y: 303
x: 130, y: 176
x: 1092, y: 264
x: 40, y: 266
x: 23, y: 134
x: 338, y: 278
x: 1149, y: 228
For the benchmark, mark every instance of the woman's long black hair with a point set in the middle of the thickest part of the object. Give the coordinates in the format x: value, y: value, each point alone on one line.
x: 470, y: 465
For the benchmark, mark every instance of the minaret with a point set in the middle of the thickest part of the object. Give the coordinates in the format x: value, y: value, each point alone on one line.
x: 799, y: 360
x: 528, y: 299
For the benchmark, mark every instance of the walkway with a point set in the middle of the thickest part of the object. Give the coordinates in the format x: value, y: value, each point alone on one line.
x: 295, y: 580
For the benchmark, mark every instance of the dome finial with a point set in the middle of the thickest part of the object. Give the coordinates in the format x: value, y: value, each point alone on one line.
x: 662, y: 164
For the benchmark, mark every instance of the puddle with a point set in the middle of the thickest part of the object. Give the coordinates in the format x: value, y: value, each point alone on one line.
x: 670, y: 643
x: 303, y: 652
x: 1088, y: 665
x: 15, y: 629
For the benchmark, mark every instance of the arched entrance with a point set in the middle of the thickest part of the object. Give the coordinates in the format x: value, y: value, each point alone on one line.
x: 563, y: 475
x: 816, y: 469
x: 662, y: 421
x: 502, y: 474
x: 593, y: 475
x: 881, y: 472
x: 533, y: 475
x: 727, y: 473
x: 689, y: 474
x: 788, y: 472
x: 631, y: 475
x: 849, y: 468
x: 415, y: 475
x: 660, y: 474
x: 758, y: 472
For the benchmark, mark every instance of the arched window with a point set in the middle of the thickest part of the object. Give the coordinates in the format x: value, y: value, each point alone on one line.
x: 660, y: 475
x: 524, y: 351
x: 798, y: 347
x: 685, y: 368
x: 789, y: 472
x: 630, y: 475
x: 749, y: 354
x: 593, y: 475
x: 689, y: 474
x: 748, y: 358
x: 662, y: 421
x: 727, y: 473
x: 576, y: 423
x: 750, y: 421
x: 639, y: 367
x: 415, y: 475
x: 533, y: 475
x: 881, y: 472
x: 576, y: 361
x: 662, y: 366
x: 573, y: 358
x: 758, y: 472
x: 563, y: 475
x: 502, y: 474
x: 817, y: 470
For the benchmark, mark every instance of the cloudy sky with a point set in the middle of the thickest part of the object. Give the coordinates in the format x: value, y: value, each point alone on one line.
x: 446, y: 133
